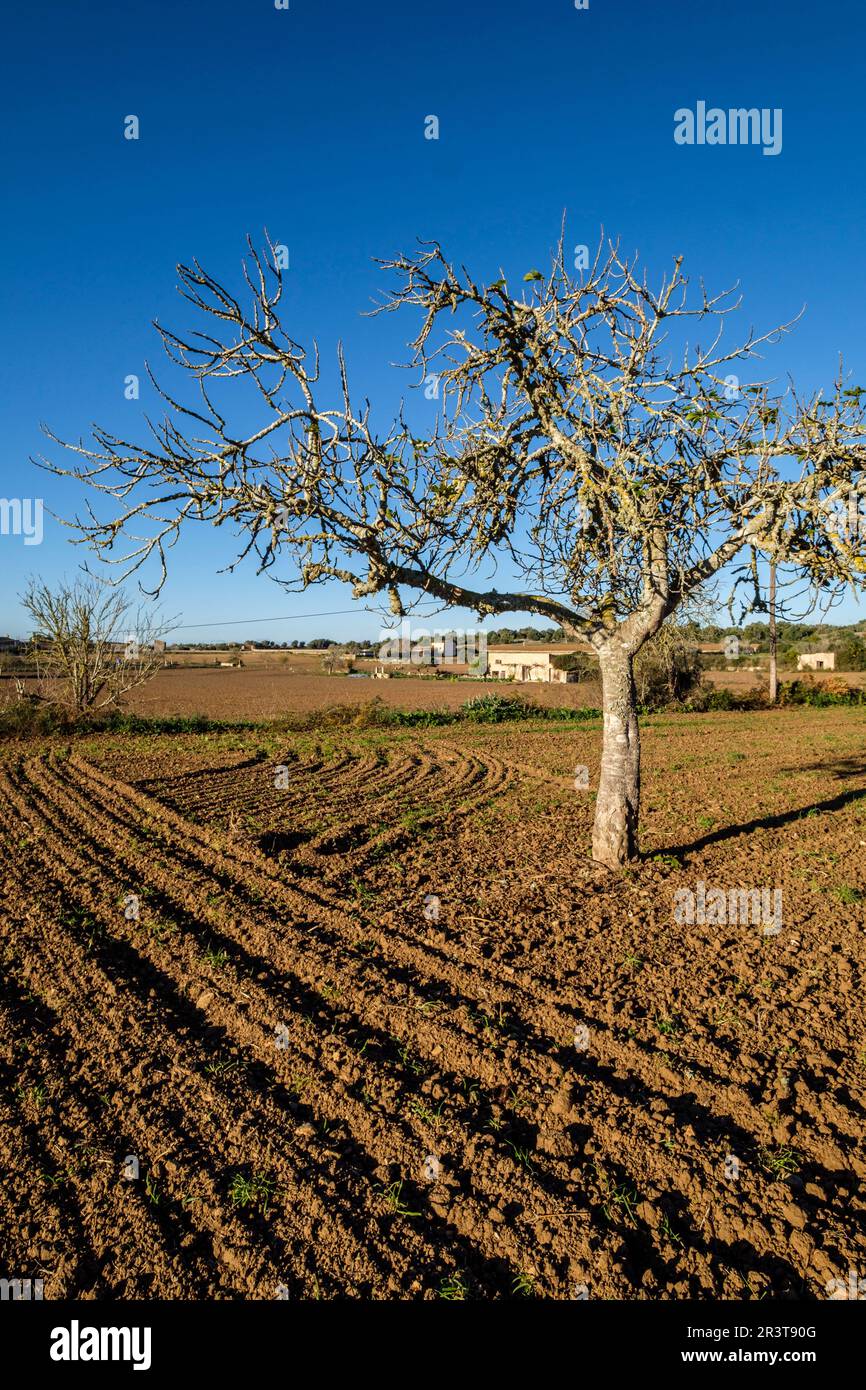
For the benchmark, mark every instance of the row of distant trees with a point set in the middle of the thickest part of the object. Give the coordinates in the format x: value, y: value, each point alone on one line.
x: 262, y: 643
x: 822, y: 634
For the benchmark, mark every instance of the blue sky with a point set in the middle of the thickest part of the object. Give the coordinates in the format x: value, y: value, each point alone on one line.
x: 310, y: 122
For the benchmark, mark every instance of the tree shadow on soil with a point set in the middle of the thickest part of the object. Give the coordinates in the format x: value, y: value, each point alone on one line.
x: 730, y: 832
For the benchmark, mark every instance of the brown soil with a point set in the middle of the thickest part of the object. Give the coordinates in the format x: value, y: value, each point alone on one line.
x: 267, y: 694
x: 331, y: 1089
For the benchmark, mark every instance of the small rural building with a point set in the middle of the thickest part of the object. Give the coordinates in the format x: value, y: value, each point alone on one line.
x: 816, y: 661
x: 526, y: 663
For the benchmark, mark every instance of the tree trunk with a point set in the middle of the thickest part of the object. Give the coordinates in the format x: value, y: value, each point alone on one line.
x: 614, y: 832
x: 774, y: 681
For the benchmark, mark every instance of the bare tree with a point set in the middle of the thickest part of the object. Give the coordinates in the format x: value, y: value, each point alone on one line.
x: 90, y: 646
x: 667, y: 668
x: 580, y: 440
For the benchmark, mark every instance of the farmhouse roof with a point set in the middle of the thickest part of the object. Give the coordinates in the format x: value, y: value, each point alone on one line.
x: 555, y: 648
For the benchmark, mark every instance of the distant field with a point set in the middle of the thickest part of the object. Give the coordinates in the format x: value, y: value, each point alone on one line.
x: 267, y: 693
x: 297, y: 659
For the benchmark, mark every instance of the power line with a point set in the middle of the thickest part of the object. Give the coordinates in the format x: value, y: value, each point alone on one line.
x: 286, y: 618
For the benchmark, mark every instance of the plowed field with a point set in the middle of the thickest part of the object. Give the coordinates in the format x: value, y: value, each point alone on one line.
x: 357, y: 1016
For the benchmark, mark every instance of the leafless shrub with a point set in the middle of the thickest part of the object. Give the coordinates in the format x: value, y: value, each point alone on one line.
x: 90, y: 646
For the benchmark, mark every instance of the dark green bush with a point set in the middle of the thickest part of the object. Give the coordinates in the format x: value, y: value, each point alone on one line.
x: 821, y: 694
x: 24, y: 720
x: 851, y: 654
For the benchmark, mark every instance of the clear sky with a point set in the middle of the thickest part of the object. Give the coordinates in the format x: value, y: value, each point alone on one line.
x: 310, y: 122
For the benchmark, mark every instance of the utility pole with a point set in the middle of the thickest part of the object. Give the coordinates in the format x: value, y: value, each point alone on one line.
x: 773, y: 676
